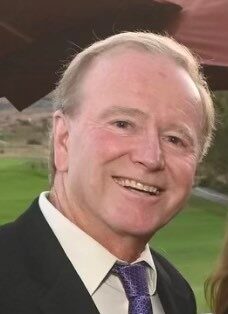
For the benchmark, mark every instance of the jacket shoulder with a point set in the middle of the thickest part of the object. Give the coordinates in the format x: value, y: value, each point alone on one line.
x: 15, y: 275
x: 12, y: 239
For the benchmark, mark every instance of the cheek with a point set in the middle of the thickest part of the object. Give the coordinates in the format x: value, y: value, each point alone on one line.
x: 93, y: 154
x: 109, y: 146
x: 183, y: 171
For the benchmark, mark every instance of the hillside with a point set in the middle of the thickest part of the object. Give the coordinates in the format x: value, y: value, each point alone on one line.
x: 25, y: 133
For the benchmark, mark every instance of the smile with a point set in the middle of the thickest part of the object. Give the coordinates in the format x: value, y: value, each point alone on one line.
x: 137, y: 186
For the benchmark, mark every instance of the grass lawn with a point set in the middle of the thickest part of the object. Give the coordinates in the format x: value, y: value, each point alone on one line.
x: 191, y: 241
x: 21, y: 180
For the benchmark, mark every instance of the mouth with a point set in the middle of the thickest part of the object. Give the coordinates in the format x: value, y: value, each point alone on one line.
x: 138, y: 186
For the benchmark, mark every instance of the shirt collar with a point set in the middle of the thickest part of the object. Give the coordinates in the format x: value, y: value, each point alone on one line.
x: 89, y: 258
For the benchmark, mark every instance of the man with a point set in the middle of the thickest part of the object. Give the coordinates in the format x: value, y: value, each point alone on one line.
x: 133, y: 119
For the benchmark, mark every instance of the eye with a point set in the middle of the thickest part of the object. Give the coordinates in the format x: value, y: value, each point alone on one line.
x: 175, y: 140
x: 121, y: 124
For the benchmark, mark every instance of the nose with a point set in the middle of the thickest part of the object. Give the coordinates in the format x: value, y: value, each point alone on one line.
x: 147, y: 151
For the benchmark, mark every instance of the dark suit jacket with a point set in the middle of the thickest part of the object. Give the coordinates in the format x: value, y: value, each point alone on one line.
x: 36, y: 277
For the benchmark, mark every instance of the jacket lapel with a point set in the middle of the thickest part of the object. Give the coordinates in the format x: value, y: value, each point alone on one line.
x: 59, y: 289
x: 165, y: 291
x: 174, y: 292
x: 165, y: 288
x: 68, y: 295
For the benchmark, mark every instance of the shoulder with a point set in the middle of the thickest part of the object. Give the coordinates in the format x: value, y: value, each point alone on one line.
x: 13, y: 239
x: 11, y: 231
x: 16, y: 268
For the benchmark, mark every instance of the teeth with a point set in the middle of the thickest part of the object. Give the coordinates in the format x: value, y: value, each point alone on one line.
x: 137, y: 185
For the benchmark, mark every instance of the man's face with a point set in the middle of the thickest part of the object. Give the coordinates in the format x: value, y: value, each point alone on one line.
x: 132, y: 151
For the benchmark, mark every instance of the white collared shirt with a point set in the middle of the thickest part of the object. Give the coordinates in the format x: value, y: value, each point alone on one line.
x: 93, y: 263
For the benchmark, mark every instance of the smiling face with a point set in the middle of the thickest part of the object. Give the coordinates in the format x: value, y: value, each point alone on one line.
x: 129, y: 158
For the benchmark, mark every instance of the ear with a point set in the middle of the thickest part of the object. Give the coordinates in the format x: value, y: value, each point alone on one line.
x: 60, y: 141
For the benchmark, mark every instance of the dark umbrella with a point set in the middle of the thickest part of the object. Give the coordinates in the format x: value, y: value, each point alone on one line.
x: 37, y: 37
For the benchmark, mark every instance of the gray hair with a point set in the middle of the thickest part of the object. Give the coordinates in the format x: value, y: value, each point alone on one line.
x: 67, y: 93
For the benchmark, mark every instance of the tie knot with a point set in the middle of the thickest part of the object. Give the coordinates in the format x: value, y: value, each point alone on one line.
x: 134, y: 278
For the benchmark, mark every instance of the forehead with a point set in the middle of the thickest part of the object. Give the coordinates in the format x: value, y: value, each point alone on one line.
x: 129, y: 75
x: 125, y: 68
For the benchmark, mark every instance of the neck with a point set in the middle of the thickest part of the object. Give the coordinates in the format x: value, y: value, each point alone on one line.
x: 124, y: 249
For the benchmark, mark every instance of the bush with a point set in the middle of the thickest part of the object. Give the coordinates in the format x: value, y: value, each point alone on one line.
x: 34, y: 141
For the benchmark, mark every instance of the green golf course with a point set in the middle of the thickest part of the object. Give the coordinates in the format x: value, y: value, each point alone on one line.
x: 191, y: 241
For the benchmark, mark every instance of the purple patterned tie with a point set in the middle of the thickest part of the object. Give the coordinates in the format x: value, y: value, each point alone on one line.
x: 134, y: 280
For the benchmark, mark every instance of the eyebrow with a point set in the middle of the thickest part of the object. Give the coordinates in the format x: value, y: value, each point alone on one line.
x: 114, y: 110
